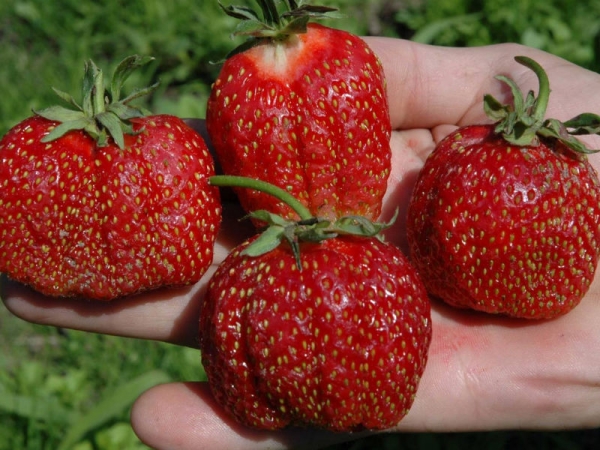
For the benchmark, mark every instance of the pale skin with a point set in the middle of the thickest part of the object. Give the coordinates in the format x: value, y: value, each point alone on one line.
x: 483, y: 373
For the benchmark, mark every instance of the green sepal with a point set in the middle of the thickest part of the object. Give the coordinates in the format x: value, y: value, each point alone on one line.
x: 522, y: 122
x: 240, y: 12
x: 60, y: 114
x: 558, y: 130
x: 267, y: 241
x: 361, y: 226
x: 270, y: 12
x: 314, y: 11
x: 516, y: 122
x: 67, y: 98
x: 274, y: 24
x: 102, y: 115
x: 307, y: 229
x: 72, y: 125
x: 137, y: 93
x: 268, y: 217
x: 297, y: 25
x: 125, y: 68
x: 114, y: 127
x: 254, y: 28
x: 586, y: 123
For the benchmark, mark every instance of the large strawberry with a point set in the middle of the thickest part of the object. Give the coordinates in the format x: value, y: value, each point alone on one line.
x: 332, y: 334
x: 109, y: 202
x: 302, y: 106
x: 505, y: 218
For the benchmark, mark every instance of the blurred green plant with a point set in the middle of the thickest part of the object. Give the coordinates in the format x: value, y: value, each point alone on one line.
x: 45, y: 44
x: 567, y: 28
x: 63, y: 389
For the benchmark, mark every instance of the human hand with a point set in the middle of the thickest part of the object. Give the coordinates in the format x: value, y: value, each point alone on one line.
x: 483, y: 373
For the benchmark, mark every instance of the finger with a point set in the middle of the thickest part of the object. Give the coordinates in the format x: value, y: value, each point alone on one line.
x: 166, y: 314
x: 430, y: 86
x: 184, y: 416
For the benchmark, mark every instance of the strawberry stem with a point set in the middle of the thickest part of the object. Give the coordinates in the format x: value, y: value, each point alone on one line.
x: 262, y: 186
x: 541, y: 103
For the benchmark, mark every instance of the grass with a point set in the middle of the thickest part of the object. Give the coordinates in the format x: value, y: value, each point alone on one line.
x: 64, y: 389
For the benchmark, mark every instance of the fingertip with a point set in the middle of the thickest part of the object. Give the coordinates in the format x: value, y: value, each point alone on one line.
x: 184, y: 416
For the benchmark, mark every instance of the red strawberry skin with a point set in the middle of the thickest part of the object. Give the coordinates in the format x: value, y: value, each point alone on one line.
x: 505, y: 229
x: 100, y: 222
x: 311, y: 116
x: 339, y: 345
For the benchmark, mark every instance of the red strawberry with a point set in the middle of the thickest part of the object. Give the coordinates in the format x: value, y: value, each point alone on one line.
x: 84, y: 212
x: 505, y: 218
x: 303, y: 107
x: 338, y: 342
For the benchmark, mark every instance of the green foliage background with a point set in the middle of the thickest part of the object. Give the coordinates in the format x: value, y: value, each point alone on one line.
x: 63, y: 389
x: 45, y: 44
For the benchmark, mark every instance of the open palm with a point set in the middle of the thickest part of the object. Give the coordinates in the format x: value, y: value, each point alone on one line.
x: 483, y: 373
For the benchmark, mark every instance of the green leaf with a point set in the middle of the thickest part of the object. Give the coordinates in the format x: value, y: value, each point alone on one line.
x: 428, y: 34
x: 111, y: 406
x: 34, y: 408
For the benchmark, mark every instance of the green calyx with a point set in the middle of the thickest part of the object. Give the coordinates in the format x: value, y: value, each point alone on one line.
x: 102, y: 114
x: 307, y: 229
x: 523, y: 122
x: 278, y: 20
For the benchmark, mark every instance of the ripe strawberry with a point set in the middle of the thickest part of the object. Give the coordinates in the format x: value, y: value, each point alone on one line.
x: 100, y: 208
x: 336, y: 340
x: 505, y: 218
x: 304, y: 107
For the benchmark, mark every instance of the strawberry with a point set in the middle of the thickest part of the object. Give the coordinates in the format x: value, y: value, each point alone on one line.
x: 504, y: 218
x: 107, y: 203
x: 304, y: 107
x: 332, y: 334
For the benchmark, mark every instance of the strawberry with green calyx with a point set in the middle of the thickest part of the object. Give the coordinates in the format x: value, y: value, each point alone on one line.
x: 103, y: 201
x: 335, y: 338
x: 304, y: 107
x: 504, y: 218
x: 307, y: 229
